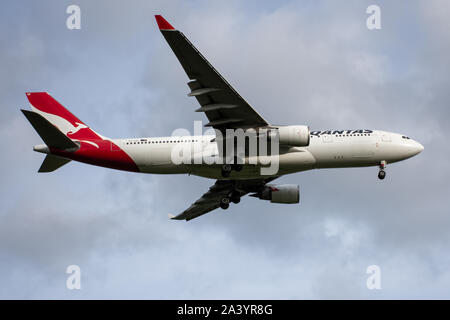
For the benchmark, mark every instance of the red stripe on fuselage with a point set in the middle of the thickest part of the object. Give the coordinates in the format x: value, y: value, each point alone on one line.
x: 102, y: 156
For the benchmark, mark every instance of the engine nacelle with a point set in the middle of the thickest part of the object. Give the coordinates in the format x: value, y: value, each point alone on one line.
x: 297, y: 136
x: 284, y: 193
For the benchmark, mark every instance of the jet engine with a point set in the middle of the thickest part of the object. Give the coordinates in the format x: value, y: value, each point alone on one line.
x: 284, y: 193
x: 297, y: 136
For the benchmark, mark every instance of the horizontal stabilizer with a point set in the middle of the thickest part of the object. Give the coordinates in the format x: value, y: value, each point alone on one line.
x: 51, y: 163
x: 48, y: 132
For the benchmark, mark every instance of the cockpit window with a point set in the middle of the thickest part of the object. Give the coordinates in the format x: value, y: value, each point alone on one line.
x: 405, y: 137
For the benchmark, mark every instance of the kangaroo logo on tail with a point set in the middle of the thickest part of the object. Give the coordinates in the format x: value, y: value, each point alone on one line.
x: 78, y: 127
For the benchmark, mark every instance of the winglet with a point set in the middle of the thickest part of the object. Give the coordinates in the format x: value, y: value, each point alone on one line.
x: 171, y: 216
x: 163, y: 24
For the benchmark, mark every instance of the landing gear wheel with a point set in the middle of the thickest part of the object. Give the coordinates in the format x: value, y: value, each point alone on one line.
x: 226, y: 170
x: 235, y: 197
x: 225, y: 203
x: 382, y: 173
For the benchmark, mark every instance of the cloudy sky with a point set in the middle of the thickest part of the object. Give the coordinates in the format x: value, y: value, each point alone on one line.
x: 296, y: 62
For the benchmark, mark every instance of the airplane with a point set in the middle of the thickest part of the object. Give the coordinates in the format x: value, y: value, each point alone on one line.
x: 67, y: 138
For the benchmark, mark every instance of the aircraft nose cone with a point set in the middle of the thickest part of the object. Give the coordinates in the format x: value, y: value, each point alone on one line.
x: 409, y: 148
x: 419, y: 147
x: 414, y: 148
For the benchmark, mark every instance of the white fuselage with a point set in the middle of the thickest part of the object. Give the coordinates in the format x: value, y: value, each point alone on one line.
x: 327, y: 149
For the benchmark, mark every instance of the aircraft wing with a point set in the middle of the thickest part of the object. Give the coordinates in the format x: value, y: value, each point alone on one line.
x: 222, y: 188
x: 223, y: 106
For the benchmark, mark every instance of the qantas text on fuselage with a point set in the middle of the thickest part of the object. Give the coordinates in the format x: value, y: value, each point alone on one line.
x: 360, y: 131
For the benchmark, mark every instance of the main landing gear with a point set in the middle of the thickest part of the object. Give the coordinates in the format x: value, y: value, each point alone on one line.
x: 227, y: 168
x: 382, y: 173
x: 234, y: 197
x: 225, y: 203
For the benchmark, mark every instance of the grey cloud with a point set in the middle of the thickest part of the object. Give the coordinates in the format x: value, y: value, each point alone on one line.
x: 295, y: 63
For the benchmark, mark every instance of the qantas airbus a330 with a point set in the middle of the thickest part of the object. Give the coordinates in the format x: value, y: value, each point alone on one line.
x: 68, y: 138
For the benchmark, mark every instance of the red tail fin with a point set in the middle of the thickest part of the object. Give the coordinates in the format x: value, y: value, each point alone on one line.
x: 44, y: 104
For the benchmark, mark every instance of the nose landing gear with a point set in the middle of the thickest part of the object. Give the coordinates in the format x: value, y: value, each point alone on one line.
x: 382, y: 173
